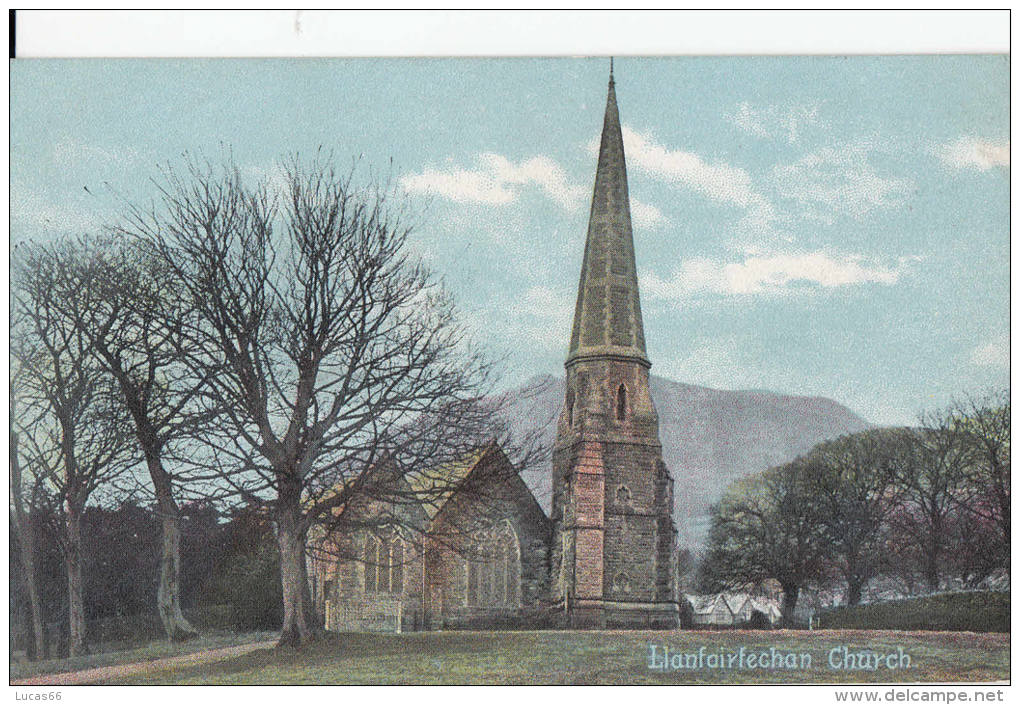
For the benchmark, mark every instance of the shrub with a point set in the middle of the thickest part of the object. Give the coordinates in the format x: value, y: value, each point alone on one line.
x: 963, y: 611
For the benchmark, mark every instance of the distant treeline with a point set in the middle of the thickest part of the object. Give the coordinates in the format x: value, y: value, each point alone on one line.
x: 229, y: 577
x: 915, y: 508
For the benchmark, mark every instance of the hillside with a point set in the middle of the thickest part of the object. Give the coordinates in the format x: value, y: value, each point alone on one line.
x: 709, y: 437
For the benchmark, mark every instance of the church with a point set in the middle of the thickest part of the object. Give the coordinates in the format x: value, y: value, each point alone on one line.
x: 484, y: 554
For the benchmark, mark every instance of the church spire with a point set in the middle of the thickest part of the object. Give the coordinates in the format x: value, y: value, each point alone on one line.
x: 607, y: 318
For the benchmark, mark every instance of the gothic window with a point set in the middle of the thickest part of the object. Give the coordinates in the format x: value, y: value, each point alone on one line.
x: 509, y: 567
x: 371, y: 563
x: 384, y: 566
x: 397, y: 566
x: 570, y: 409
x: 512, y: 570
x: 621, y: 403
x: 622, y: 494
x: 485, y: 584
x: 495, y: 581
x: 621, y: 584
x: 472, y: 584
x: 499, y: 574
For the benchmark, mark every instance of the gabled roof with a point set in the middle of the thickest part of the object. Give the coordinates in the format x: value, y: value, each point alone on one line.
x: 434, y: 486
x: 736, y: 600
x: 707, y: 604
x: 764, y: 604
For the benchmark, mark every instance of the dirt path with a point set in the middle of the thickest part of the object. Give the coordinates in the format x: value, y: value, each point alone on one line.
x: 93, y: 675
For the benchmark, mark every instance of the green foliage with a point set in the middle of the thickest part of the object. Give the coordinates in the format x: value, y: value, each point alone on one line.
x: 250, y: 583
x: 767, y: 527
x: 922, y: 504
x: 248, y: 576
x: 967, y: 611
x: 146, y: 627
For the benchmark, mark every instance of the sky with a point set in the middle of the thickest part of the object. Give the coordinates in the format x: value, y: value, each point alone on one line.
x: 824, y: 226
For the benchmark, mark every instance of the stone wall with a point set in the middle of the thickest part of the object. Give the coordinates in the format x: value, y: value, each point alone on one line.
x: 494, y: 500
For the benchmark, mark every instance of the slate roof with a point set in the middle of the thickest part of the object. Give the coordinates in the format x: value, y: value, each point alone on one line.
x: 435, y: 486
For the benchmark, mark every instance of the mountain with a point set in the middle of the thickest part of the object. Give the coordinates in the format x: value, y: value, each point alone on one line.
x: 710, y: 437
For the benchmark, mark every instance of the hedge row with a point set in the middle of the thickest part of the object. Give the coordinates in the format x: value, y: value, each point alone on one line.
x: 962, y: 611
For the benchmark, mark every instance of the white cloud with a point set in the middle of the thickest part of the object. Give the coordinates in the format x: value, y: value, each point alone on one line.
x: 645, y: 215
x: 33, y: 216
x: 974, y: 153
x: 68, y: 150
x: 273, y: 177
x: 838, y: 180
x: 497, y: 181
x: 774, y: 120
x: 718, y: 181
x: 775, y: 274
x: 992, y: 354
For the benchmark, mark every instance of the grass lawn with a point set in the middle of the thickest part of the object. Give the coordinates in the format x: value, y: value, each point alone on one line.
x: 112, y: 656
x: 594, y: 657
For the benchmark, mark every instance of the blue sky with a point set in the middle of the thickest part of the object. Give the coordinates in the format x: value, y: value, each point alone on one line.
x: 811, y: 225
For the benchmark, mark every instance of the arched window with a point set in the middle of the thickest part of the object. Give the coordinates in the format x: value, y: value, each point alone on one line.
x: 499, y: 574
x: 397, y: 566
x: 472, y: 583
x: 570, y: 408
x: 621, y: 403
x: 486, y: 584
x: 621, y: 583
x: 508, y: 567
x: 511, y: 571
x: 622, y: 494
x: 371, y: 563
x: 384, y: 566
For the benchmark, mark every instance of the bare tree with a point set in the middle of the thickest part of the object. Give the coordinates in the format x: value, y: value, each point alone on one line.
x: 929, y: 465
x: 333, y: 346
x: 140, y: 330
x: 984, y: 425
x: 26, y: 500
x: 70, y: 420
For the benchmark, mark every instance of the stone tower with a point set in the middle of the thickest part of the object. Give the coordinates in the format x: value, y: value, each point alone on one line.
x: 613, y: 536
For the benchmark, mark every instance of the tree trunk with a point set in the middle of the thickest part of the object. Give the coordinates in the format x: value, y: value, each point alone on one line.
x: 790, y: 595
x: 931, y: 575
x: 931, y: 567
x: 25, y: 531
x: 26, y: 544
x: 311, y: 616
x: 853, y: 591
x: 168, y: 597
x: 26, y: 537
x: 296, y: 629
x: 75, y: 591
